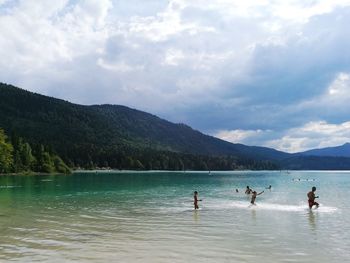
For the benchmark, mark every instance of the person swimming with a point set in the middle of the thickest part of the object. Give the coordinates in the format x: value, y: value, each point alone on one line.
x: 311, y: 196
x: 196, y: 200
x: 269, y: 188
x: 254, y: 195
x: 237, y: 190
x: 248, y: 191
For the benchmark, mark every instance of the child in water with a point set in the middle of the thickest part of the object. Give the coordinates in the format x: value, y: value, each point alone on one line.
x: 312, y: 197
x: 195, y: 201
x: 254, y: 195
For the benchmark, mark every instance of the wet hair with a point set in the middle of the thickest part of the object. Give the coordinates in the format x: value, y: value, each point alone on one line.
x: 247, y: 186
x: 314, y: 188
x: 195, y: 192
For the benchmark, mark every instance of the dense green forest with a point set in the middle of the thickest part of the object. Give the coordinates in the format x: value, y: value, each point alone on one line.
x: 149, y: 159
x: 17, y: 156
x: 119, y: 137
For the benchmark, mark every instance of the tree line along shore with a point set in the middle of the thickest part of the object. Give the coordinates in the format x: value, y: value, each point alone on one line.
x: 19, y: 157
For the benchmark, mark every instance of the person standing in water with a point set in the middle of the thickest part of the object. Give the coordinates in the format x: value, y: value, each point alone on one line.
x: 195, y: 201
x: 248, y: 191
x: 254, y: 195
x: 311, y: 196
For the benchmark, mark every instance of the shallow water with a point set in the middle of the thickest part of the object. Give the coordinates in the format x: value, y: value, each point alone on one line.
x: 149, y: 217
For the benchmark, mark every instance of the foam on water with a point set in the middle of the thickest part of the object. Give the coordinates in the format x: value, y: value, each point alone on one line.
x: 282, y: 207
x: 229, y: 205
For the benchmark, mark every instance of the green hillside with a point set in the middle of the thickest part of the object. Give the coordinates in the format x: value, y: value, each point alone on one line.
x: 120, y: 137
x: 124, y: 138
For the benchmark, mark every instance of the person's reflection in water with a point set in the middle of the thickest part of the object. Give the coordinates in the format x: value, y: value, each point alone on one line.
x: 253, y: 215
x: 312, y: 220
x: 196, y: 216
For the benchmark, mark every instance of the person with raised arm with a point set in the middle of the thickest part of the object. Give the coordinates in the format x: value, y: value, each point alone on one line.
x: 254, y: 195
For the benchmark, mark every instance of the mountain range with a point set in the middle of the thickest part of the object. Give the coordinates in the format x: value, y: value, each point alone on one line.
x: 337, y: 151
x: 120, y: 137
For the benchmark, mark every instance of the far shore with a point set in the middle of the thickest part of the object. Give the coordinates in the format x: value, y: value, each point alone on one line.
x: 159, y: 171
x: 31, y: 174
x: 122, y: 171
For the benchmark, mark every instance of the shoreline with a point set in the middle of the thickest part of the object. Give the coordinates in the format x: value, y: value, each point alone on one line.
x: 32, y: 174
x: 105, y: 171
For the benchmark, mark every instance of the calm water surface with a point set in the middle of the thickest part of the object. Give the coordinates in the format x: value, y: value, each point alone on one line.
x: 149, y: 217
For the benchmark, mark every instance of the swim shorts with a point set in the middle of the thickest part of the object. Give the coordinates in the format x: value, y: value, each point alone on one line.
x: 312, y: 203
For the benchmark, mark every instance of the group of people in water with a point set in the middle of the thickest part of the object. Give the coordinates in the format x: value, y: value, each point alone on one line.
x: 253, y: 193
x: 311, y: 196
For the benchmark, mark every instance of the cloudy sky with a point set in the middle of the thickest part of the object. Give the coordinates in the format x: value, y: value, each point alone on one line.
x: 270, y: 72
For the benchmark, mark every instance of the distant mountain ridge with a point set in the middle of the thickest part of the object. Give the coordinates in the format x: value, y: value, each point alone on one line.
x: 337, y: 151
x: 118, y: 136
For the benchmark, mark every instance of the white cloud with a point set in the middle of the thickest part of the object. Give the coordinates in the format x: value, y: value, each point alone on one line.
x: 35, y: 35
x: 3, y: 2
x: 248, y: 137
x: 173, y: 57
x: 163, y: 25
x: 273, y: 13
x: 332, y: 102
x: 337, y: 93
x: 315, y: 134
x: 301, y: 11
x: 340, y: 87
x: 252, y: 69
x: 121, y: 66
x: 237, y: 136
x: 62, y: 31
x: 312, y: 135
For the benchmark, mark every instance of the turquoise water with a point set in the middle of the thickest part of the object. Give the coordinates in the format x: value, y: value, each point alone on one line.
x: 149, y: 217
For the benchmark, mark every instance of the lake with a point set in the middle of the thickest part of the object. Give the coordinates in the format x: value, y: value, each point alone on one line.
x: 149, y: 217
